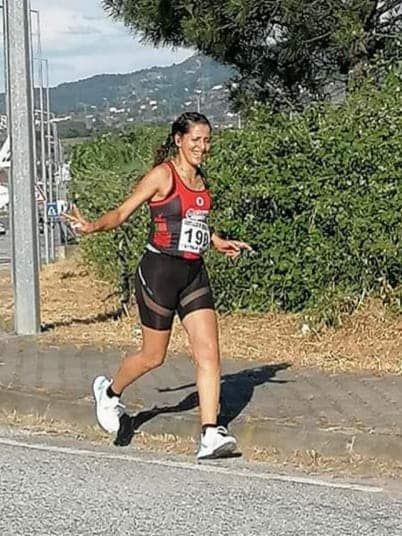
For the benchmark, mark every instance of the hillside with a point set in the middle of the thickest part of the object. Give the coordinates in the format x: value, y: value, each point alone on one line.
x: 173, y: 84
x: 155, y: 94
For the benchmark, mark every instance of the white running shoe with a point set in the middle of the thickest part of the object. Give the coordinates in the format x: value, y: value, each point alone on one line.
x: 216, y: 443
x: 108, y: 410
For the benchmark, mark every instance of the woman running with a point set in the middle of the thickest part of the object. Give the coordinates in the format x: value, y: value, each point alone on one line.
x: 171, y: 277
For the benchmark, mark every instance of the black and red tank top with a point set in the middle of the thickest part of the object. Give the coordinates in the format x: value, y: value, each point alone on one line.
x: 180, y: 221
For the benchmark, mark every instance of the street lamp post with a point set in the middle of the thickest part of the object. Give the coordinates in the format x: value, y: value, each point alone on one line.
x: 23, y: 209
x: 37, y: 55
x: 50, y: 170
x: 31, y: 59
x: 42, y: 134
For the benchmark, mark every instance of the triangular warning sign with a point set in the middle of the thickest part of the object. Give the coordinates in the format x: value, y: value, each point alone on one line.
x: 52, y: 210
x: 39, y: 194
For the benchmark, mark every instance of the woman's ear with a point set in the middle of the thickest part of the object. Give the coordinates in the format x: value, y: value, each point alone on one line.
x: 177, y: 140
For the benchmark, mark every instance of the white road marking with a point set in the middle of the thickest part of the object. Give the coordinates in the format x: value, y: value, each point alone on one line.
x: 192, y: 467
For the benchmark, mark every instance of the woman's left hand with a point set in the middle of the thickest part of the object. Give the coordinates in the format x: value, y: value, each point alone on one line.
x: 230, y: 248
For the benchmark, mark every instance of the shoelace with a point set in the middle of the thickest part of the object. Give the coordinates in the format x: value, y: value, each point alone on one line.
x: 221, y: 430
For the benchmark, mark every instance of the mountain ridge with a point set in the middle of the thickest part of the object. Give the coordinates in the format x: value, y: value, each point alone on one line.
x: 153, y: 94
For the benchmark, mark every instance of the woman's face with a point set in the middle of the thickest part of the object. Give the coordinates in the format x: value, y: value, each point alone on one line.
x: 195, y: 144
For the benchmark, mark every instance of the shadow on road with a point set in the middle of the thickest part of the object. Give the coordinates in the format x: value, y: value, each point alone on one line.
x: 237, y: 390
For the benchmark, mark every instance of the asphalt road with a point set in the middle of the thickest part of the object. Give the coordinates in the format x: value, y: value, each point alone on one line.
x: 48, y: 487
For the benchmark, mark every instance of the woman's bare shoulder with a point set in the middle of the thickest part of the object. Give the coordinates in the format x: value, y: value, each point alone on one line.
x: 159, y: 178
x: 158, y: 175
x: 162, y: 170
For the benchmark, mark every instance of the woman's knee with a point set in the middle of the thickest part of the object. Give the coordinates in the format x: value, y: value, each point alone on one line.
x: 206, y: 356
x: 153, y: 358
x: 150, y: 359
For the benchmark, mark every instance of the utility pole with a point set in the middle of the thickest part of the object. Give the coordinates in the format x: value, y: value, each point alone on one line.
x: 50, y: 170
x: 42, y: 135
x: 23, y: 210
x: 31, y: 59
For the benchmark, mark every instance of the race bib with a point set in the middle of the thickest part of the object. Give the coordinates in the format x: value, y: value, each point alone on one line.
x: 194, y: 236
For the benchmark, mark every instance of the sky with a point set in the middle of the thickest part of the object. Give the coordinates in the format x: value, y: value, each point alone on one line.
x: 80, y: 40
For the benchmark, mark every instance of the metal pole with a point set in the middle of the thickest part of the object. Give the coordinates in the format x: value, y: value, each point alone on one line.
x: 55, y: 144
x: 42, y: 139
x: 61, y: 160
x: 58, y: 162
x: 61, y: 151
x: 50, y: 174
x: 34, y: 129
x: 24, y: 241
x: 43, y: 166
x: 7, y: 103
x: 60, y: 184
x: 63, y: 182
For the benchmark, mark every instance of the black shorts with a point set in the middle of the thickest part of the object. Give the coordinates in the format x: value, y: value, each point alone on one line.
x: 165, y: 284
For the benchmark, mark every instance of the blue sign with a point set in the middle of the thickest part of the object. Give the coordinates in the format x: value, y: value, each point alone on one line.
x: 52, y: 210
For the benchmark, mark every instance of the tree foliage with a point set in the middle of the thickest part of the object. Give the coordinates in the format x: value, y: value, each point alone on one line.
x: 285, y: 51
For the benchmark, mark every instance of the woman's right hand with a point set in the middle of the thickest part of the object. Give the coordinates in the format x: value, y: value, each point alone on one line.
x: 78, y: 223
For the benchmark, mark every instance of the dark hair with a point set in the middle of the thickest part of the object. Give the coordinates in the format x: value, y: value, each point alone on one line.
x: 181, y: 126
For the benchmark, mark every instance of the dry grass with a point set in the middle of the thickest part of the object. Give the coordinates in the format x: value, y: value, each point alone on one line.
x: 79, y: 308
x: 310, y: 462
x: 6, y: 301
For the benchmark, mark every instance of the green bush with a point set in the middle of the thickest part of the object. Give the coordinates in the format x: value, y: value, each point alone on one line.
x: 318, y: 195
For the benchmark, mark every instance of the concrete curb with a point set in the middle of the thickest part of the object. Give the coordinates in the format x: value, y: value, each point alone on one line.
x: 251, y: 433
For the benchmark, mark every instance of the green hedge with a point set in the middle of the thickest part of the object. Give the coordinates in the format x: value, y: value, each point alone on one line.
x: 318, y: 195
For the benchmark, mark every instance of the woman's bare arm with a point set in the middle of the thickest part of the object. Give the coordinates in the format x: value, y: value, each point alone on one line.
x: 151, y: 184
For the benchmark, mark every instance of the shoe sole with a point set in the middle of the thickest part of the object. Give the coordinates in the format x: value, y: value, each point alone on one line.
x: 94, y: 392
x: 221, y: 452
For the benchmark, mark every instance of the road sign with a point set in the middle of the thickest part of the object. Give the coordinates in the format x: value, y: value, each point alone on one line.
x: 39, y: 194
x: 52, y: 211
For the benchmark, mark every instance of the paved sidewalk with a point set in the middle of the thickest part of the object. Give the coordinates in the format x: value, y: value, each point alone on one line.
x: 265, y: 405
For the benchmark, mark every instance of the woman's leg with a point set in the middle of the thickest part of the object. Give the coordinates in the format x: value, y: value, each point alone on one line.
x: 202, y: 329
x: 156, y: 308
x: 156, y: 296
x: 107, y: 392
x: 150, y: 356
